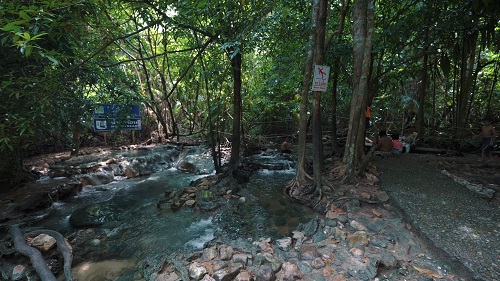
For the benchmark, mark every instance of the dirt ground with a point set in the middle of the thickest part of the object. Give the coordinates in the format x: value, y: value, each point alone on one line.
x: 474, y: 169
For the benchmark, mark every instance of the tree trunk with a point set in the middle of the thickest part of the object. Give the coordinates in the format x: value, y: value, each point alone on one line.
x: 492, y: 90
x: 236, y: 61
x: 335, y: 80
x: 300, y: 189
x: 76, y: 138
x: 467, y: 66
x: 364, y: 11
x: 423, y: 91
x: 317, y: 130
x: 344, y: 7
x: 304, y: 100
x: 216, y: 157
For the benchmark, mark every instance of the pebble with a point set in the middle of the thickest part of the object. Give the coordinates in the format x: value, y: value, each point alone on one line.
x: 18, y: 272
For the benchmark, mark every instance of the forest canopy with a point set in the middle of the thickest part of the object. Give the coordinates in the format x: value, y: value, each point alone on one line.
x: 219, y: 69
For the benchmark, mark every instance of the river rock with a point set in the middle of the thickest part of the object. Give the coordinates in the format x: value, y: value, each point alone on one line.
x: 43, y: 242
x: 190, y: 203
x: 290, y: 271
x: 95, y: 242
x: 358, y: 226
x: 207, y: 278
x: 197, y: 271
x: 299, y: 238
x: 243, y: 276
x: 167, y: 276
x: 186, y: 166
x: 40, y: 196
x: 226, y: 252
x: 265, y: 273
x: 245, y: 259
x: 308, y: 252
x: 19, y: 272
x: 382, y: 196
x: 96, y: 178
x: 210, y: 253
x: 227, y: 273
x: 309, y: 228
x: 267, y: 258
x: 317, y: 263
x: 358, y: 239
x: 284, y: 244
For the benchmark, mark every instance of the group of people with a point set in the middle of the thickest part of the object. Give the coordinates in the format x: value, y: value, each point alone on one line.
x: 395, y: 144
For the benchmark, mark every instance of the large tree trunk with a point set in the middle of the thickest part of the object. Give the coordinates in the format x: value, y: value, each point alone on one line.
x: 364, y: 11
x: 236, y: 61
x: 344, y: 7
x: 300, y: 188
x: 304, y: 100
x: 216, y: 156
x: 320, y: 34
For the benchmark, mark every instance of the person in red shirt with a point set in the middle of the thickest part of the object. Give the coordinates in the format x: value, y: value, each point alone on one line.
x: 397, y: 145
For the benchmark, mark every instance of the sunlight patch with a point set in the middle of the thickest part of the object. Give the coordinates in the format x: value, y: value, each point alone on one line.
x: 104, y: 270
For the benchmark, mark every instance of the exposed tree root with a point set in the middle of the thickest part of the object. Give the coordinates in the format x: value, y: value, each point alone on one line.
x: 303, y: 192
x: 63, y: 247
x: 36, y: 257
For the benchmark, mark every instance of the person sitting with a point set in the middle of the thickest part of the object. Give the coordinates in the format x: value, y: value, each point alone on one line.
x: 397, y: 145
x: 410, y: 138
x: 285, y: 147
x: 384, y: 145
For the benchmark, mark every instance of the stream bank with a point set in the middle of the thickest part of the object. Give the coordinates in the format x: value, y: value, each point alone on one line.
x: 361, y: 237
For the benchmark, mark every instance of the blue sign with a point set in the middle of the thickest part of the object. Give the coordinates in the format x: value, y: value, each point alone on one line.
x: 111, y: 124
x: 110, y: 117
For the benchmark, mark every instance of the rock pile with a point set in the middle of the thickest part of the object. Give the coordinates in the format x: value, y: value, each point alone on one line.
x: 354, y: 241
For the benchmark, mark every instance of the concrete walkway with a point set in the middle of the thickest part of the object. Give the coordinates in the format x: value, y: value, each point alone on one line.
x: 462, y: 226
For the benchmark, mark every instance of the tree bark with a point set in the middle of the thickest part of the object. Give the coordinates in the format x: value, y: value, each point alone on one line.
x: 423, y: 91
x: 236, y: 61
x: 302, y: 175
x: 76, y: 138
x: 364, y: 11
x: 468, y: 59
x: 335, y: 73
x: 320, y: 34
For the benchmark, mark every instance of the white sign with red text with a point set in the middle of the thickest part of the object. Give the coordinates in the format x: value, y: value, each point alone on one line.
x: 320, y: 81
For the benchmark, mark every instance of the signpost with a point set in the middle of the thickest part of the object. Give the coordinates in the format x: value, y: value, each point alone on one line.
x: 110, y: 117
x: 320, y: 81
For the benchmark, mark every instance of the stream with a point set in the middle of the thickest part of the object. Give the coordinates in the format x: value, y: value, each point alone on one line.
x: 127, y: 227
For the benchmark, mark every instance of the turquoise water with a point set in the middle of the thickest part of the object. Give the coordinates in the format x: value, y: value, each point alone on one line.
x: 134, y: 228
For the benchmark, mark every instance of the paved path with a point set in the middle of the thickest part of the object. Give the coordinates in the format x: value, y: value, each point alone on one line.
x: 450, y: 217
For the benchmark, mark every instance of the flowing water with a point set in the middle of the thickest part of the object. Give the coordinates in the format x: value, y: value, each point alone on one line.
x: 133, y: 229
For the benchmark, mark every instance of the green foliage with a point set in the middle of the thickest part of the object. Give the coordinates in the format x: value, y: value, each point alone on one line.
x: 61, y: 57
